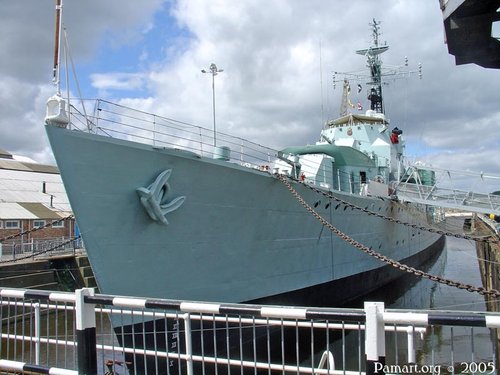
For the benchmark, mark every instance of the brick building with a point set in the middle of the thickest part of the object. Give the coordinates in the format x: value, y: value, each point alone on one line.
x: 31, y: 196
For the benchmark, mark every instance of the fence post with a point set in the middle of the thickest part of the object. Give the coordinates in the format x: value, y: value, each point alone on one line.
x: 189, y: 349
x: 85, y: 333
x: 374, y: 338
x: 37, y: 333
x: 411, y: 347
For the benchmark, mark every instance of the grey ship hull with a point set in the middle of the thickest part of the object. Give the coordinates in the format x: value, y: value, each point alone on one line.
x: 239, y: 236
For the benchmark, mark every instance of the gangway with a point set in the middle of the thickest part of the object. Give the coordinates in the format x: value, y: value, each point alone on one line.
x: 447, y: 188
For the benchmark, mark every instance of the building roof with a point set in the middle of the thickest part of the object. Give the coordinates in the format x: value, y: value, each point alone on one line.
x: 5, y: 154
x: 39, y: 210
x: 16, y: 165
x: 30, y: 190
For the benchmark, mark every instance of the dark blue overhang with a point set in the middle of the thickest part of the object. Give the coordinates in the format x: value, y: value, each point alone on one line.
x: 468, y: 29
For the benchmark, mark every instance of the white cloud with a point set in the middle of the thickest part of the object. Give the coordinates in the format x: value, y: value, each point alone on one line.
x: 118, y: 81
x: 272, y: 90
x: 27, y: 30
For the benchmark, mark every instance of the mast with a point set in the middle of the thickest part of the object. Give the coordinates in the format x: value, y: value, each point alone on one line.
x: 56, y: 113
x: 373, y: 79
x: 375, y: 65
x: 57, y: 44
x: 345, y: 93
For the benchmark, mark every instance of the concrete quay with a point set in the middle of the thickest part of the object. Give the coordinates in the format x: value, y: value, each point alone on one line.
x: 64, y: 272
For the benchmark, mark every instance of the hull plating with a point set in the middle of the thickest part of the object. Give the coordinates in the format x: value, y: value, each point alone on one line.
x: 238, y: 236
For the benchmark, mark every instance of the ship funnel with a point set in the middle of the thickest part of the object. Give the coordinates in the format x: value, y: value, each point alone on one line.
x: 56, y: 112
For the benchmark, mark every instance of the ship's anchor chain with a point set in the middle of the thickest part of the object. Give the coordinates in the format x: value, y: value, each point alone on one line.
x: 488, y: 239
x: 383, y: 258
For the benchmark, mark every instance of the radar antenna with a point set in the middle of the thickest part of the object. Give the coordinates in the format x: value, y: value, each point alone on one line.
x: 375, y: 79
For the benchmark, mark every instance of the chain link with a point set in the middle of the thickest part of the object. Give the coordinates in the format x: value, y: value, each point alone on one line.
x: 383, y: 258
x: 340, y: 234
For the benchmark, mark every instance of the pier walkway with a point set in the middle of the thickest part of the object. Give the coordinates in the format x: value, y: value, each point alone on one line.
x: 96, y: 333
x: 457, y: 190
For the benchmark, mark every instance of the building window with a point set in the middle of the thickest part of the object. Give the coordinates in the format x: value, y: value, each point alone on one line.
x: 12, y: 224
x: 38, y: 223
x: 58, y: 224
x: 1, y: 224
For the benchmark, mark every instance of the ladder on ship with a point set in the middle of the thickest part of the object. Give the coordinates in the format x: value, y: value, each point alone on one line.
x: 448, y: 189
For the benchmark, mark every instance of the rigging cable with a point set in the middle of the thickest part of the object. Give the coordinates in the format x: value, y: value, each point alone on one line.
x: 75, y: 77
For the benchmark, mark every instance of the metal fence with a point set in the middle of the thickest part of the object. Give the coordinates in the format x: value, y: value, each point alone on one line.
x: 17, y: 248
x: 70, y: 333
x: 118, y: 121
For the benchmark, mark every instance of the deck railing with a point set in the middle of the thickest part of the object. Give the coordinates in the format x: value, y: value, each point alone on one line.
x: 122, y: 122
x: 80, y: 332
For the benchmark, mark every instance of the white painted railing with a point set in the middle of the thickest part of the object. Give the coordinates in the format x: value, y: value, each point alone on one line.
x: 69, y: 333
x: 121, y: 122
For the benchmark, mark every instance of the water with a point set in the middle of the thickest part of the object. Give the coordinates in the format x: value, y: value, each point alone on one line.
x: 446, y: 346
x: 461, y: 265
x: 457, y: 262
x: 460, y: 345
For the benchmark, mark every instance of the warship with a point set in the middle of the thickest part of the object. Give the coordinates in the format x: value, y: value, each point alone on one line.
x: 167, y: 209
x: 166, y: 212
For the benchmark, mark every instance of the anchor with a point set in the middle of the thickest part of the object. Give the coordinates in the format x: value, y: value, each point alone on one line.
x: 152, y: 198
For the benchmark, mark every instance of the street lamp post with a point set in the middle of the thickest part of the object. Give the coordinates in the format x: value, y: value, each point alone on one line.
x: 213, y: 71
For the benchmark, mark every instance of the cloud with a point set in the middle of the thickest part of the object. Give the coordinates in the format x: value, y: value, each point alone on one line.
x: 278, y: 58
x: 27, y: 29
x: 118, y: 81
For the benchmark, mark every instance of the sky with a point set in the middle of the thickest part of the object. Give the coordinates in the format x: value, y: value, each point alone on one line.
x: 278, y: 59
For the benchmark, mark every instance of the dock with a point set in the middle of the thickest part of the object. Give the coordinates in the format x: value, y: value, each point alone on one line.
x: 64, y: 271
x: 488, y: 254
